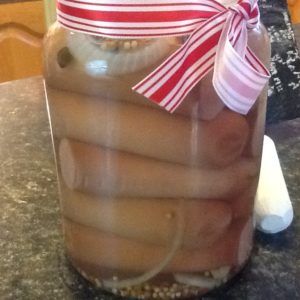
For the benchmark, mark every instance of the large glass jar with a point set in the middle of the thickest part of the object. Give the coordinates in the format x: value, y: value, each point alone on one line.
x: 155, y: 205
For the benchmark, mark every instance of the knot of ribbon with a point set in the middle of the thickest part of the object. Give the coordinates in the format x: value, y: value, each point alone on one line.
x: 248, y: 10
x: 217, y: 40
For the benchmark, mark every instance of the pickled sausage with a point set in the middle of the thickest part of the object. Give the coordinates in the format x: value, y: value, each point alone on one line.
x: 245, y: 240
x: 242, y: 205
x: 149, y: 132
x: 258, y: 37
x: 209, y: 104
x: 204, y: 220
x: 109, y: 251
x: 257, y: 124
x: 96, y: 170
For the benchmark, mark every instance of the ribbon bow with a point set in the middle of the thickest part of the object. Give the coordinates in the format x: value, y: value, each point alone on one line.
x: 217, y: 40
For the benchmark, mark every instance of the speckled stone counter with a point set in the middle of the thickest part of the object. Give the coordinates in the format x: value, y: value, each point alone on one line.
x: 284, y: 90
x: 32, y: 261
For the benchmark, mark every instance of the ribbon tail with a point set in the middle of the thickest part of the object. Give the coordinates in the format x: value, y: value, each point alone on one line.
x: 169, y: 84
x: 238, y: 80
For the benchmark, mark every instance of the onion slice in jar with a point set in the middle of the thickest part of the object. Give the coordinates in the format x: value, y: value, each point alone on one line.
x: 199, y: 281
x: 113, y: 57
x: 175, y: 245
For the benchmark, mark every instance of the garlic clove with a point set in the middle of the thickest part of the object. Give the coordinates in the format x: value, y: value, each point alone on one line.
x: 221, y: 273
x: 199, y: 281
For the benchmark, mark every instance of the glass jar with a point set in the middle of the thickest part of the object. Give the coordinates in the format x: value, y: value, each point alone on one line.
x: 154, y: 205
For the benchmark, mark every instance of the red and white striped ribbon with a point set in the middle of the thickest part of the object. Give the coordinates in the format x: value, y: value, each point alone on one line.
x: 217, y: 40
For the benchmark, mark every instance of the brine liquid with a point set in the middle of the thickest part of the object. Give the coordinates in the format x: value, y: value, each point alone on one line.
x: 155, y: 206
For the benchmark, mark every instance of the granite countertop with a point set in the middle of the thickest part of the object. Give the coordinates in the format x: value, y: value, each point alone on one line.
x: 284, y: 87
x: 32, y: 261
